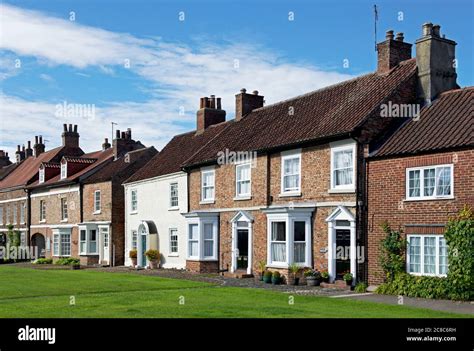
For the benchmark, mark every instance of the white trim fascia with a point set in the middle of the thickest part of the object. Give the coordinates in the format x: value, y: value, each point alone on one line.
x: 54, y: 226
x: 95, y: 222
x: 157, y: 178
x: 71, y: 189
x: 19, y: 229
x: 13, y: 200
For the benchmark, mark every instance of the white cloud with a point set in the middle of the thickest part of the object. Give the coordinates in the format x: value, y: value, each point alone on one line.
x: 179, y: 74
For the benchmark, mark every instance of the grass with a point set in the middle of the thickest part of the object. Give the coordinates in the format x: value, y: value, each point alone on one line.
x: 32, y: 293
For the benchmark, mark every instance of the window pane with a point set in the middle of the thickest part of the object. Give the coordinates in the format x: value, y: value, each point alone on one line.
x: 208, y: 231
x: 414, y: 183
x: 208, y: 248
x: 193, y: 248
x: 429, y: 255
x: 65, y: 244
x: 343, y: 167
x: 278, y: 231
x: 299, y: 252
x: 443, y: 256
x: 299, y: 231
x: 193, y: 232
x: 278, y: 252
x: 443, y: 178
x: 429, y: 182
x: 414, y: 253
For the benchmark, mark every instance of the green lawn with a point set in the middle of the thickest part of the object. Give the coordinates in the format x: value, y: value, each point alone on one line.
x: 34, y: 293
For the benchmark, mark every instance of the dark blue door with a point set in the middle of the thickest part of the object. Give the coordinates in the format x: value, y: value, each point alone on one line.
x: 143, y: 250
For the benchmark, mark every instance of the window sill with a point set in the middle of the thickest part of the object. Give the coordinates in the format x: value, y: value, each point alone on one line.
x: 197, y: 259
x: 89, y: 254
x: 207, y: 202
x: 97, y: 212
x: 342, y: 191
x: 64, y: 220
x: 430, y: 199
x: 173, y: 208
x: 173, y: 255
x: 428, y: 275
x: 242, y: 198
x: 278, y: 265
x: 43, y: 221
x: 290, y: 194
x: 133, y: 212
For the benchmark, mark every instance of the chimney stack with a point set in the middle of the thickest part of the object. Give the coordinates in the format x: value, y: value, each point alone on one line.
x: 4, y: 159
x: 39, y: 147
x: 391, y: 52
x: 123, y: 143
x: 19, y: 154
x: 435, y: 59
x: 245, y: 103
x: 210, y: 112
x: 106, y: 145
x: 70, y: 136
x: 29, y: 150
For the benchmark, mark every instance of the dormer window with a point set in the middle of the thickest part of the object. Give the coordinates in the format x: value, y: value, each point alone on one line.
x: 41, y: 175
x: 63, y: 170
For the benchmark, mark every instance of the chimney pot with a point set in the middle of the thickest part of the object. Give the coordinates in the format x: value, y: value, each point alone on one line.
x: 70, y: 127
x: 218, y: 104
x: 436, y: 30
x: 41, y: 139
x: 255, y: 92
x: 18, y: 148
x: 75, y: 128
x: 399, y: 36
x: 389, y: 35
x: 117, y: 134
x: 427, y: 29
x: 29, y: 144
x: 36, y: 139
x: 123, y: 135
x: 243, y: 90
x: 65, y: 127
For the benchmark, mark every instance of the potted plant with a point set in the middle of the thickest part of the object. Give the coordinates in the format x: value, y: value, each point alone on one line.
x: 293, y: 278
x: 133, y: 256
x: 325, y: 276
x: 267, y: 277
x: 348, y: 278
x: 262, y: 265
x: 154, y: 258
x: 276, y: 278
x: 313, y: 277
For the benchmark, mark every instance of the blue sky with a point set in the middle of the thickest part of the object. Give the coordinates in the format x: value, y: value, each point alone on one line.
x: 220, y: 47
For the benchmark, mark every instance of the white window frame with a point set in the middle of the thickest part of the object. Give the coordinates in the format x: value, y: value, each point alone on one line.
x: 200, y: 222
x: 133, y: 202
x: 189, y: 241
x: 338, y: 147
x: 63, y: 170
x: 22, y: 212
x: 64, y: 210
x: 42, y: 211
x: 41, y: 175
x: 422, y: 183
x: 97, y: 208
x: 82, y: 241
x: 15, y: 214
x: 422, y: 255
x: 285, y: 156
x: 172, y: 205
x: 88, y: 230
x: 237, y: 181
x: 134, y: 240
x: 289, y: 219
x: 173, y: 232
x: 1, y: 215
x: 213, y: 186
x: 58, y: 240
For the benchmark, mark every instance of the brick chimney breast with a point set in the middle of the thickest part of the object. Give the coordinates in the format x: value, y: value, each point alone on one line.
x: 4, y: 159
x: 39, y: 147
x: 246, y: 103
x: 435, y: 60
x: 392, y: 51
x: 29, y: 150
x: 70, y: 136
x: 210, y: 112
x: 19, y: 154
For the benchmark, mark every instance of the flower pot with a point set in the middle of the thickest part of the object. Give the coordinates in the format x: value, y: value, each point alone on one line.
x: 276, y: 281
x: 312, y: 281
x: 134, y: 261
x: 296, y: 281
x: 326, y: 280
x: 267, y: 279
x: 349, y: 282
x: 154, y: 264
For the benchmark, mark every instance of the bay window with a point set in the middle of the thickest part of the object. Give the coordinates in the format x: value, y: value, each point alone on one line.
x: 433, y: 182
x: 88, y: 240
x: 278, y: 242
x: 291, y: 172
x: 61, y: 242
x: 202, y: 237
x: 427, y: 255
x: 193, y: 241
x: 343, y: 166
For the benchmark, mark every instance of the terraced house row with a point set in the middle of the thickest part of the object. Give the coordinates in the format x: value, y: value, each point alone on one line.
x: 304, y: 181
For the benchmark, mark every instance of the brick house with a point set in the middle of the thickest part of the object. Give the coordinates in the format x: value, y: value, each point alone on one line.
x: 297, y: 198
x: 157, y: 194
x: 61, y: 219
x: 15, y: 207
x: 419, y: 178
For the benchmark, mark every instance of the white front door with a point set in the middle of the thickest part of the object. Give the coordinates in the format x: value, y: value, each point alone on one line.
x: 105, y: 238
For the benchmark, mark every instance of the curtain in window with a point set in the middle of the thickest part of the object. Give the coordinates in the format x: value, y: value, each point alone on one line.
x: 443, y: 178
x: 92, y: 241
x: 291, y: 174
x: 243, y: 180
x: 278, y: 245
x: 429, y: 182
x: 65, y: 244
x: 414, y: 254
x: 83, y: 241
x: 443, y: 256
x: 414, y: 183
x: 343, y: 167
x: 193, y: 240
x: 208, y: 240
x: 429, y: 255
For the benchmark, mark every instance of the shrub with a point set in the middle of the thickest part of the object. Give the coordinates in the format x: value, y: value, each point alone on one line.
x: 276, y: 275
x: 152, y: 254
x: 325, y: 274
x: 347, y: 277
x: 132, y: 254
x: 68, y: 261
x: 267, y: 274
x: 392, y: 250
x: 360, y: 287
x: 294, y: 269
x: 43, y: 261
x: 262, y: 265
x: 312, y: 273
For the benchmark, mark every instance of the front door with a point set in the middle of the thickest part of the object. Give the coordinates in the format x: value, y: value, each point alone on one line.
x: 105, y: 245
x: 343, y: 245
x: 242, y: 248
x: 143, y: 250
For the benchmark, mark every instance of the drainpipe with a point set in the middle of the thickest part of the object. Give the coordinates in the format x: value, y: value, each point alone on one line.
x: 28, y: 216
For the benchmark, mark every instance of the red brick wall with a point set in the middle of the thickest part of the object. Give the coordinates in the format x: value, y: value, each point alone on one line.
x: 386, y: 195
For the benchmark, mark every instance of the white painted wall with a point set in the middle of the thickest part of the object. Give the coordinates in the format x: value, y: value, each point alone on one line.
x: 154, y: 205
